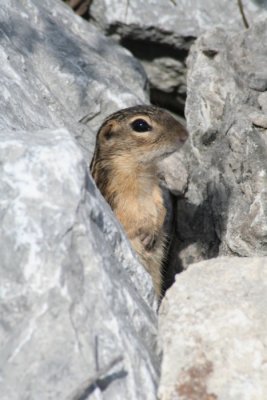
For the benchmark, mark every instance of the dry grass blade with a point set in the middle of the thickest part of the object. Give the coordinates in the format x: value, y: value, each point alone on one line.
x: 241, y: 8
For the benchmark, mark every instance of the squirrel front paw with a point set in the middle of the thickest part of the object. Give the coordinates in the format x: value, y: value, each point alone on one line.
x: 148, y: 240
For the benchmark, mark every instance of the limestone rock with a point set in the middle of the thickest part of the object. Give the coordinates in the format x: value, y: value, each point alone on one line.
x: 76, y: 307
x: 225, y: 209
x: 160, y: 33
x: 68, y: 307
x: 170, y: 20
x: 213, y: 330
x: 63, y: 69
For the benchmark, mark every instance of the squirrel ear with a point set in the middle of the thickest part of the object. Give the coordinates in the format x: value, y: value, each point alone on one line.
x: 106, y: 131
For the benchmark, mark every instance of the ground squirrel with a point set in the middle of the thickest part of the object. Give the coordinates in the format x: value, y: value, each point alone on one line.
x: 129, y: 144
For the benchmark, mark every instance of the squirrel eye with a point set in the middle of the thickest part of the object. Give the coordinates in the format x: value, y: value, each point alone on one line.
x: 140, y: 125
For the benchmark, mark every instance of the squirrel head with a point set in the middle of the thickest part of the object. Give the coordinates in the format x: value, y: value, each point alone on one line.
x: 143, y: 133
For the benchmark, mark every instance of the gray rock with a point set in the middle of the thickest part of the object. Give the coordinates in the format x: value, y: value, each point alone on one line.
x: 174, y: 172
x: 68, y: 305
x: 170, y: 20
x: 161, y: 32
x: 225, y: 209
x: 212, y: 326
x: 63, y: 69
x: 77, y: 309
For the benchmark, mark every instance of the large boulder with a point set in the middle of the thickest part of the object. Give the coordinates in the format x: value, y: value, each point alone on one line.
x: 161, y: 32
x: 225, y: 209
x: 212, y: 326
x: 69, y: 306
x: 57, y: 69
x: 77, y: 314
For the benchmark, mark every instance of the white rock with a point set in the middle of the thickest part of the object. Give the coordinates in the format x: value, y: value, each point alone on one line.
x: 213, y: 331
x: 68, y: 307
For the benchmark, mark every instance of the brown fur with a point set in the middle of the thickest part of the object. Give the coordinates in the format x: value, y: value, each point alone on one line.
x: 124, y: 169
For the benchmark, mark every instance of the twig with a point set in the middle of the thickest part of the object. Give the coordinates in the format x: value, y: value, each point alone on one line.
x: 79, y: 393
x: 241, y: 9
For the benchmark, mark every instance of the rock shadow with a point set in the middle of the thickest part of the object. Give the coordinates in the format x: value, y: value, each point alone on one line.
x: 102, y: 384
x: 202, y: 225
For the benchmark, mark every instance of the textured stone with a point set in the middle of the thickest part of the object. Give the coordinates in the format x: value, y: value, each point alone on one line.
x: 225, y: 208
x: 167, y: 21
x: 68, y: 307
x: 213, y: 330
x: 76, y: 306
x: 63, y: 69
x: 174, y: 172
x: 160, y: 33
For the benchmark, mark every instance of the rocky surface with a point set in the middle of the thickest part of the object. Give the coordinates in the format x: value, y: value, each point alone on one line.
x: 76, y: 306
x: 225, y: 209
x: 77, y: 310
x: 211, y: 321
x: 65, y: 71
x: 213, y: 330
x: 160, y: 33
x: 68, y: 307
